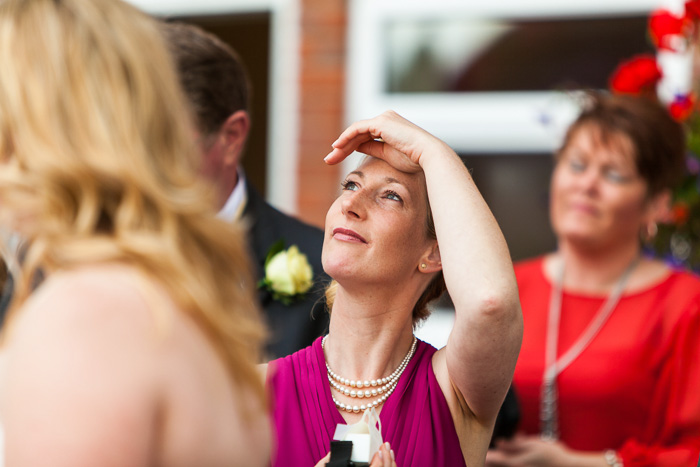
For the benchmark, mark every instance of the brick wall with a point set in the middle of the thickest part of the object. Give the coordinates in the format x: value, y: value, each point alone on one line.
x: 321, y: 102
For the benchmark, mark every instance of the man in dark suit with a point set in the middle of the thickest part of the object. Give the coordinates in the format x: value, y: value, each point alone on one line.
x: 216, y: 85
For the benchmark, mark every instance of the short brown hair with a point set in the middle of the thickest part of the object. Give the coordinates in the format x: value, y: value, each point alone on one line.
x: 210, y: 72
x: 657, y: 139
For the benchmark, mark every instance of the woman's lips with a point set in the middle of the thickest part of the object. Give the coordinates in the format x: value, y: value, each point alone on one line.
x: 348, y: 235
x: 584, y: 208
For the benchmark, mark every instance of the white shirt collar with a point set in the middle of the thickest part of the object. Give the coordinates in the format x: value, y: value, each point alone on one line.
x: 233, y: 208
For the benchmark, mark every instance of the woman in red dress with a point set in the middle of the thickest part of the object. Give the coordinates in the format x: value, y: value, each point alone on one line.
x: 608, y: 372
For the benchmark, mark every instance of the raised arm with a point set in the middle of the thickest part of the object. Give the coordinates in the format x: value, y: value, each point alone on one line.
x: 478, y: 362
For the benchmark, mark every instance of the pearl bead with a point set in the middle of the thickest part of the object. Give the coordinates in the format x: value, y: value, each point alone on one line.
x: 382, y: 387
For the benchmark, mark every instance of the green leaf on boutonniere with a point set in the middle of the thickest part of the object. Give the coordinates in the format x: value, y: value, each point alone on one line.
x: 274, y: 249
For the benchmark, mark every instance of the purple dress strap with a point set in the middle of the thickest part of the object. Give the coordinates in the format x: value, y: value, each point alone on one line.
x: 415, y: 419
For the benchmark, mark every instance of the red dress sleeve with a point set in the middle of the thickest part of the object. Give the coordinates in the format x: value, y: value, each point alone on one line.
x: 673, y: 435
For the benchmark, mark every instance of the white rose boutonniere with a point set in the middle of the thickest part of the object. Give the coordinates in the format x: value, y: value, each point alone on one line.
x: 288, y: 274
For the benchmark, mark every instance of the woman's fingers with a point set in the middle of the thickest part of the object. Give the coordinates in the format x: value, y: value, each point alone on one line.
x: 393, y: 156
x: 341, y: 151
x: 379, y: 149
x: 358, y: 132
x: 336, y: 156
x: 384, y: 457
x: 349, y: 140
x: 497, y: 459
x: 324, y: 461
x: 388, y: 137
x: 506, y: 452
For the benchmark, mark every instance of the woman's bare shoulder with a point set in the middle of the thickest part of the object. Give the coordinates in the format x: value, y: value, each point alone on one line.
x: 91, y: 294
x: 86, y: 334
x: 91, y: 317
x: 90, y: 284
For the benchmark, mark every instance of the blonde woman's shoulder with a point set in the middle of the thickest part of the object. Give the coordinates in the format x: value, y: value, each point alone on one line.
x: 78, y: 358
x: 131, y: 378
x: 103, y: 307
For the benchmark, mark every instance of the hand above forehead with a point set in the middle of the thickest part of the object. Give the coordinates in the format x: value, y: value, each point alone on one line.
x: 389, y: 137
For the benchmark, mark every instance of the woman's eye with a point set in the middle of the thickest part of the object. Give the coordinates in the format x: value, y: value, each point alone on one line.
x: 616, y: 177
x: 349, y: 185
x: 577, y: 166
x: 393, y: 196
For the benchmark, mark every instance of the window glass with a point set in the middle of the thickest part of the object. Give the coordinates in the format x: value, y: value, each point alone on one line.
x: 467, y: 55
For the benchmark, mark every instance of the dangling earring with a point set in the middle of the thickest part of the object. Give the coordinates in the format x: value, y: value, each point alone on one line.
x: 652, y: 230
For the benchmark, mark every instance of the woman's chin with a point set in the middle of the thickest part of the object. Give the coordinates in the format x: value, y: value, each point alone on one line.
x: 338, y: 272
x: 586, y: 240
x: 339, y: 265
x: 350, y: 277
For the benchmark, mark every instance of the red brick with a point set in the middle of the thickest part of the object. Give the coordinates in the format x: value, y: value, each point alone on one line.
x: 324, y: 7
x: 322, y: 94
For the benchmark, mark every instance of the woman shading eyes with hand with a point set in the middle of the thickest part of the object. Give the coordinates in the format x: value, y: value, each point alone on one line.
x: 393, y: 242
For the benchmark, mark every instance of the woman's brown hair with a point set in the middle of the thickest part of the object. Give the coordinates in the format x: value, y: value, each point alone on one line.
x: 658, y: 141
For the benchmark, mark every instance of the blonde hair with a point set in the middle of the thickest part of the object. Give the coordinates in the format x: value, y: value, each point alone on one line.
x: 100, y: 165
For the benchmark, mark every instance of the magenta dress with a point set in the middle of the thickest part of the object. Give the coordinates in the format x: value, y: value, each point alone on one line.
x: 415, y: 420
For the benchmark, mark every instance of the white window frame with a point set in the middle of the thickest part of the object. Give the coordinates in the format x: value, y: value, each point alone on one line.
x: 480, y: 122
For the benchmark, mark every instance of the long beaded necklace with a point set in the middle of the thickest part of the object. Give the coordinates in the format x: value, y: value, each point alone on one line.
x: 549, y: 427
x: 380, y: 388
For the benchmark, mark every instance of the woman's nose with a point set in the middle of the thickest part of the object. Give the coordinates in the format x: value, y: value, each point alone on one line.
x: 353, y: 206
x: 589, y: 179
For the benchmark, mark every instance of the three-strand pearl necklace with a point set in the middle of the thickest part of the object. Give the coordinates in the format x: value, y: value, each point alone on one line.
x: 380, y: 388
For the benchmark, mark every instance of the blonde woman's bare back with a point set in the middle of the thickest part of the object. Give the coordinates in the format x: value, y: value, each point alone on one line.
x: 101, y: 368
